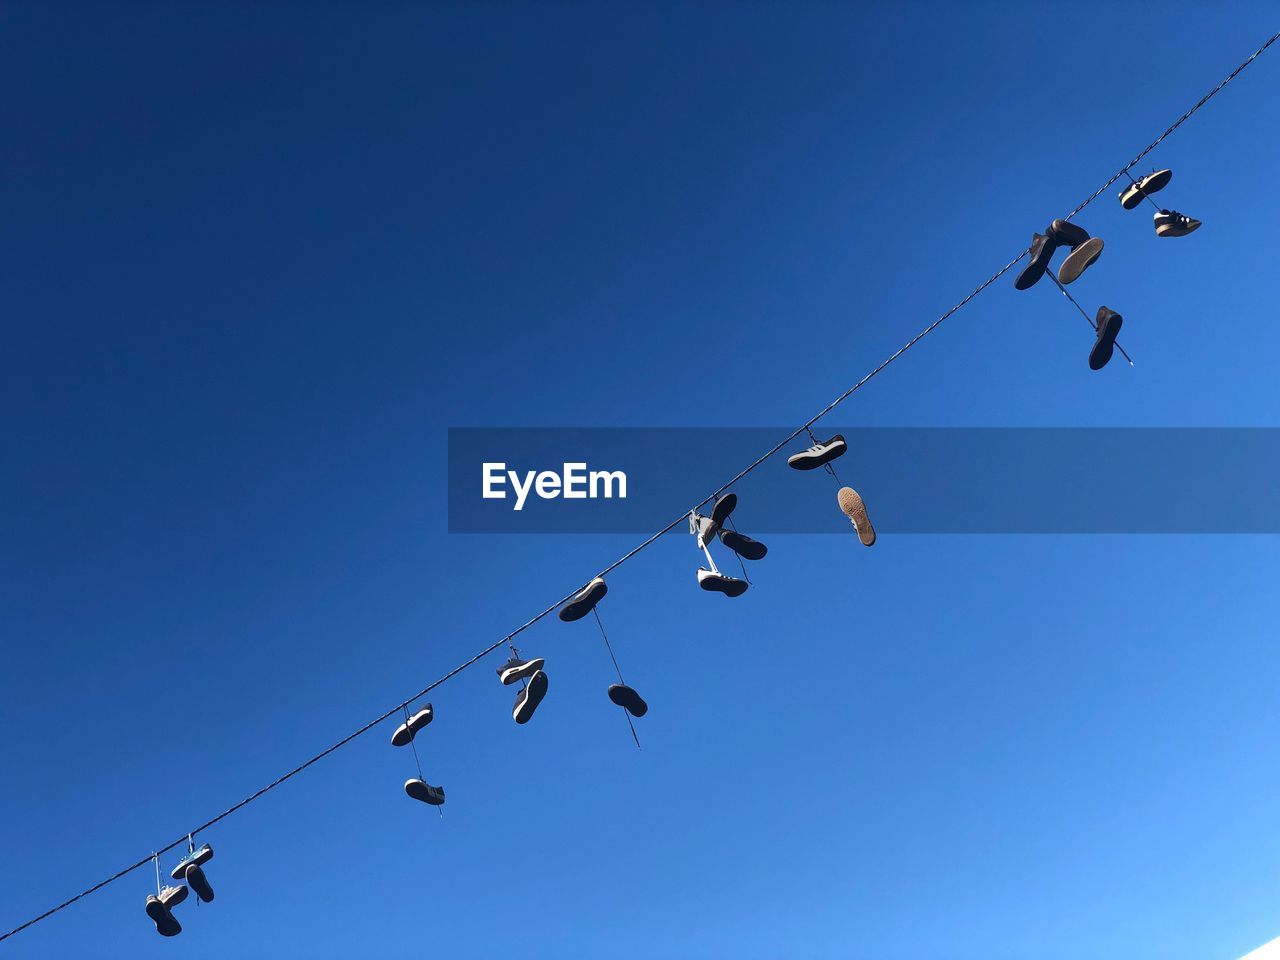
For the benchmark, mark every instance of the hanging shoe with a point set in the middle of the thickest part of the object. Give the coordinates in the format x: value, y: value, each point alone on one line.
x: 527, y: 700
x: 1079, y: 259
x: 1171, y: 223
x: 1067, y: 234
x: 409, y: 729
x: 628, y: 699
x: 199, y: 883
x: 1084, y: 249
x: 517, y: 669
x: 703, y: 528
x: 819, y: 455
x: 853, y: 507
x: 166, y: 924
x: 1108, y: 324
x: 1042, y: 250
x: 719, y: 583
x: 1132, y: 195
x: 421, y: 790
x: 584, y: 600
x: 743, y: 545
x: 723, y: 507
x: 160, y: 910
x: 199, y: 856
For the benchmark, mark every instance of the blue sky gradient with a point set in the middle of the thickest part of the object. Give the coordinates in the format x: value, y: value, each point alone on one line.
x: 257, y: 260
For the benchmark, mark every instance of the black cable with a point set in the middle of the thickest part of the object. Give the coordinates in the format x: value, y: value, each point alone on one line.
x: 618, y: 670
x: 647, y: 542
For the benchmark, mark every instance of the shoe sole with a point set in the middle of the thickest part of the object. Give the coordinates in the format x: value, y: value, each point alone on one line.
x: 199, y: 883
x: 743, y: 546
x: 536, y: 690
x: 585, y: 602
x: 729, y: 586
x: 1173, y: 230
x: 166, y: 923
x: 421, y: 791
x: 519, y: 673
x: 723, y: 507
x: 1102, y: 351
x: 407, y: 731
x: 628, y: 700
x: 1079, y: 260
x: 852, y: 506
x: 1133, y: 195
x: 1038, y: 263
x: 1030, y: 276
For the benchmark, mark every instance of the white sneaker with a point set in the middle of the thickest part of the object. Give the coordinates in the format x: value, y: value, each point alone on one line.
x: 409, y: 729
x: 719, y: 583
x: 1171, y: 223
x: 819, y: 455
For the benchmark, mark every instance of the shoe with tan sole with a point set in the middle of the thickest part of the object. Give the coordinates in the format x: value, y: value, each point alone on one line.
x: 1171, y: 223
x: 1080, y: 259
x: 852, y: 506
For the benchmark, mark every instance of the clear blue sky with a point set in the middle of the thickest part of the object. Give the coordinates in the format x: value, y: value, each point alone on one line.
x: 255, y: 261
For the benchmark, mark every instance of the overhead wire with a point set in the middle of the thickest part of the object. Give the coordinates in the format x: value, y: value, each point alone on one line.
x: 682, y: 518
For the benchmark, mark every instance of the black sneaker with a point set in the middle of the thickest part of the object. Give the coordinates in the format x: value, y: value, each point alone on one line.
x: 517, y: 669
x: 743, y: 545
x: 719, y: 583
x: 1171, y: 223
x: 584, y: 601
x: 166, y: 924
x: 820, y: 454
x: 723, y: 507
x: 199, y: 856
x: 421, y: 790
x: 1067, y: 234
x: 1108, y: 323
x: 628, y: 699
x: 199, y: 883
x: 1132, y: 195
x: 1042, y: 249
x: 409, y: 729
x: 527, y: 700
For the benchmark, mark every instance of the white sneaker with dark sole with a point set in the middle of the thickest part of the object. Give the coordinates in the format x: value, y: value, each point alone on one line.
x: 819, y: 455
x: 1134, y: 192
x: 852, y: 506
x: 517, y: 669
x: 1171, y: 223
x: 719, y: 583
x: 409, y: 729
x: 527, y: 700
x: 584, y: 601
